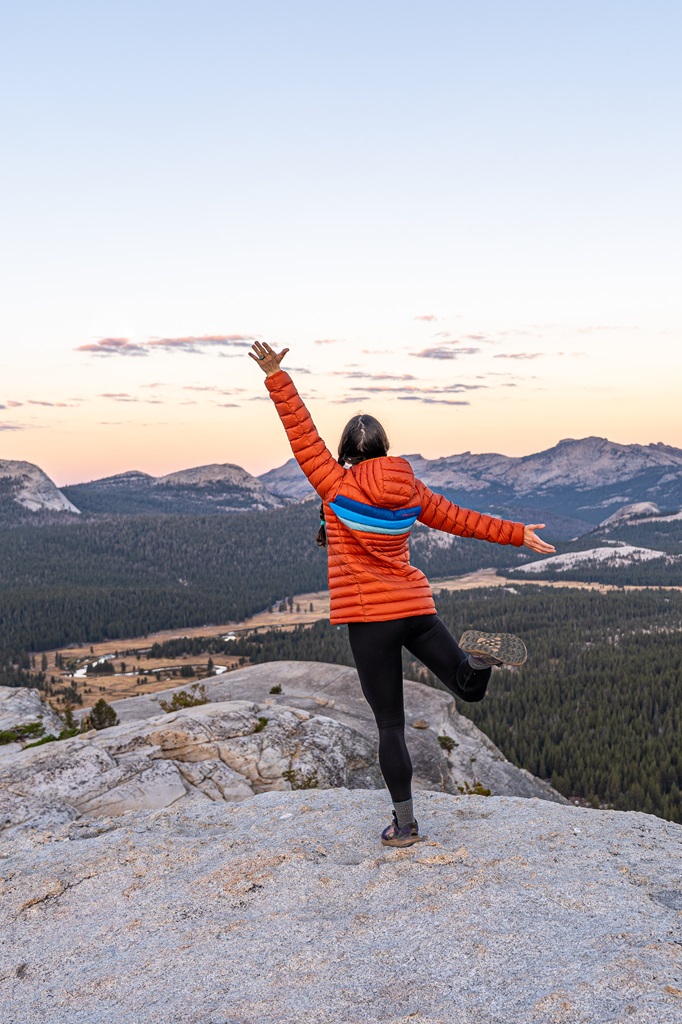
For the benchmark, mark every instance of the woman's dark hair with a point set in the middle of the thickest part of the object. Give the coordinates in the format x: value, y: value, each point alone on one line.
x: 363, y: 438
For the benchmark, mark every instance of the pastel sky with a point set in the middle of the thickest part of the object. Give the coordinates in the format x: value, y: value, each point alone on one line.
x: 464, y: 218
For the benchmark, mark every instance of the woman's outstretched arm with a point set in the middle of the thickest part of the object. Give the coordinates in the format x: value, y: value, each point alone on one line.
x: 441, y: 514
x: 317, y: 462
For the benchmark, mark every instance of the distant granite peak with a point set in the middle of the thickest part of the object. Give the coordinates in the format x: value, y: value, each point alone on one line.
x: 26, y: 485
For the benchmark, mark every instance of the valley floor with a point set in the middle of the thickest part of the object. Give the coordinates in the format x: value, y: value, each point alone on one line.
x: 306, y: 609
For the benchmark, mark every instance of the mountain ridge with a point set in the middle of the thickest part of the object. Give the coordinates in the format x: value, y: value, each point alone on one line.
x: 572, y: 487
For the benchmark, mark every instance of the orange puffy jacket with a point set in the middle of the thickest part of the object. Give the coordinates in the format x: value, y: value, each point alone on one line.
x: 369, y: 512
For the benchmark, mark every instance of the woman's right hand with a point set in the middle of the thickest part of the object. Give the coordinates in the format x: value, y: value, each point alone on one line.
x: 267, y: 359
x: 534, y: 543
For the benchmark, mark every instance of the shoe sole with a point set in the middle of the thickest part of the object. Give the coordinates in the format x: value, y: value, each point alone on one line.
x: 403, y: 842
x: 506, y: 648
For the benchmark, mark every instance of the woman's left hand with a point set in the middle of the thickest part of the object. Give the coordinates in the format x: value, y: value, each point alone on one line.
x: 534, y: 543
x: 267, y: 359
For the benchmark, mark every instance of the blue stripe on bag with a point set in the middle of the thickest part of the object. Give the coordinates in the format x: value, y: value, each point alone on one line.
x: 365, y: 528
x: 386, y: 514
x: 369, y: 519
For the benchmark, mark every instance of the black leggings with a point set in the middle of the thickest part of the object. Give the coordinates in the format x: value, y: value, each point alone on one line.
x: 377, y: 650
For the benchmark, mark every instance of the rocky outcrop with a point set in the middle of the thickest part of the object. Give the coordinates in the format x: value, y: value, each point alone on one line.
x: 462, y: 759
x: 317, y: 733
x: 21, y: 706
x: 285, y: 908
x: 223, y: 751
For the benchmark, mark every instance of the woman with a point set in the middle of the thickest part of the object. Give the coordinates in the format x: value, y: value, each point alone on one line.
x: 370, y: 502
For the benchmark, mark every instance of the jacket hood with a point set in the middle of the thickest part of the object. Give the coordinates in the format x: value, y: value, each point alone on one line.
x: 388, y: 482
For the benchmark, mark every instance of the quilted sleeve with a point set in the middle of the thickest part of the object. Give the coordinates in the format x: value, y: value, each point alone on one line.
x: 442, y: 514
x: 317, y: 462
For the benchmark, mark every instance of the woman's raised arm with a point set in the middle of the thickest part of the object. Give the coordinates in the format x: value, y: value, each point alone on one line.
x: 317, y: 462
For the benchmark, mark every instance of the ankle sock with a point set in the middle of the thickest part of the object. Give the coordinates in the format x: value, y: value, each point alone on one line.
x: 404, y: 812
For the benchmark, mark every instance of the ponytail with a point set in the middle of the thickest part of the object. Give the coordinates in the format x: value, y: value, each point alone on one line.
x: 321, y: 537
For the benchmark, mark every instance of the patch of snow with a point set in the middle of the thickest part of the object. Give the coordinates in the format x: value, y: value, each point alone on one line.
x: 625, y: 554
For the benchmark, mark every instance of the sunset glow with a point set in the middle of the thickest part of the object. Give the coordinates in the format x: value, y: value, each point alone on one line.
x: 464, y: 219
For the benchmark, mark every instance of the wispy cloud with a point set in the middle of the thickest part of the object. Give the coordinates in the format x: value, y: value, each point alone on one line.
x: 411, y: 389
x: 14, y: 405
x: 428, y: 317
x: 446, y: 352
x: 432, y: 401
x: 113, y: 347
x: 194, y: 344
x: 10, y: 426
x: 49, y: 405
x: 121, y: 396
x: 326, y: 341
x: 362, y: 375
x: 441, y: 395
x: 518, y: 355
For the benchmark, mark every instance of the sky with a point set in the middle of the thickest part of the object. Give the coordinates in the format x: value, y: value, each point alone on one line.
x: 463, y: 218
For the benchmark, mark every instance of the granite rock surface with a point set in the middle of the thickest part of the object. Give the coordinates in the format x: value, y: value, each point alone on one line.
x: 284, y: 907
x: 22, y: 705
x: 223, y: 751
x: 334, y: 691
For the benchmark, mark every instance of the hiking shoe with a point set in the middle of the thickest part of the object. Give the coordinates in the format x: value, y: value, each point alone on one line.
x: 396, y: 836
x: 494, y: 648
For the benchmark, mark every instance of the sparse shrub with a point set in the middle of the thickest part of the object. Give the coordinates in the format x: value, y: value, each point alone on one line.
x: 276, y: 689
x: 300, y: 780
x: 262, y: 722
x: 447, y: 742
x: 102, y: 715
x: 186, y: 699
x: 20, y: 732
x: 478, y: 789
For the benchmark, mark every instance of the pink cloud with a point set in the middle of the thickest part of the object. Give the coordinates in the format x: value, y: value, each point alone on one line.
x: 113, y: 346
x: 326, y: 341
x: 428, y: 317
x: 50, y: 405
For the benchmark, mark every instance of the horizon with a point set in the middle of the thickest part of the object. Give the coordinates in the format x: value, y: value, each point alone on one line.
x: 475, y: 234
x: 405, y: 455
